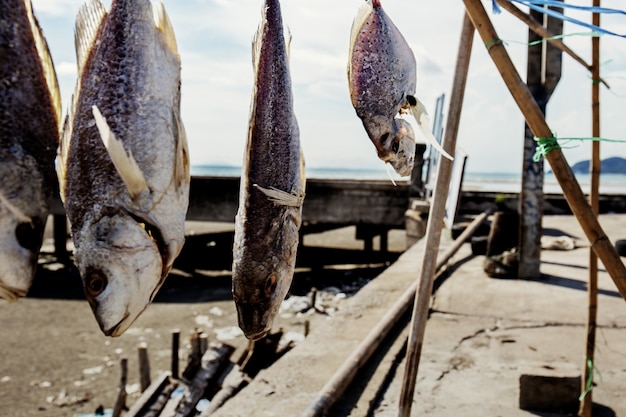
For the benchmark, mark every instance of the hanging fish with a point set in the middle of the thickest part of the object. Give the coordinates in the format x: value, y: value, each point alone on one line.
x: 382, y: 78
x: 30, y: 114
x: 123, y: 161
x: 272, y: 185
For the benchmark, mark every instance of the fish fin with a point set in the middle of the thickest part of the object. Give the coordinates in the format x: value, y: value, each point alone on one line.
x: 257, y: 43
x: 181, y: 161
x: 302, y: 171
x: 282, y: 198
x: 62, y: 151
x: 164, y: 24
x: 362, y: 14
x: 124, y: 162
x: 88, y: 22
x: 47, y: 64
x: 421, y: 117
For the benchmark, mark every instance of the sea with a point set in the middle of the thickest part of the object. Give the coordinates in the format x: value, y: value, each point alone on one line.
x: 614, y: 184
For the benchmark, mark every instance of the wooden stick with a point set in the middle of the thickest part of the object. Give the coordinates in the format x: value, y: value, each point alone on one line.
x: 540, y: 30
x: 121, y: 395
x: 576, y: 200
x: 144, y: 366
x: 149, y: 396
x: 175, y: 350
x: 341, y: 379
x: 212, y: 362
x: 592, y: 288
x: 435, y: 223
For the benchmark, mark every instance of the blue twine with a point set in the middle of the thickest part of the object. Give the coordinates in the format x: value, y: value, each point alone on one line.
x: 538, y: 6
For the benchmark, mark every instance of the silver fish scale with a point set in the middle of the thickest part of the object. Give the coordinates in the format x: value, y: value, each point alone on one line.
x: 120, y: 80
x: 383, y: 70
x: 266, y: 232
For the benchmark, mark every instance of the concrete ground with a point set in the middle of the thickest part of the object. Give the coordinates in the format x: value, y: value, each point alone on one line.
x: 483, y: 334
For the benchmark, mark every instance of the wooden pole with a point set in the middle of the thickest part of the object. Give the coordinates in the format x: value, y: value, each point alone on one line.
x: 175, y: 350
x: 592, y: 289
x: 341, y: 379
x: 576, y: 200
x: 120, y: 402
x: 540, y: 30
x: 144, y: 366
x: 435, y: 222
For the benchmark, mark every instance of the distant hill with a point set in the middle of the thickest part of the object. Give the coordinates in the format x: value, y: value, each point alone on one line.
x: 614, y: 165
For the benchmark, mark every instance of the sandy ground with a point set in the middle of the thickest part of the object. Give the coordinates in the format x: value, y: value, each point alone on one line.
x: 56, y: 362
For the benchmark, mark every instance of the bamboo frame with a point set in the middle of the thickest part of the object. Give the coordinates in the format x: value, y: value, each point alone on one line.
x: 575, y: 197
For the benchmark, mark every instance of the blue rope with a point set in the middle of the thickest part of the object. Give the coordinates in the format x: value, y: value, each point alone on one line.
x: 538, y: 6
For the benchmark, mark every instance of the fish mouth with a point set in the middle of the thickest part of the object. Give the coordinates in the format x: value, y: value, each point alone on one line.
x: 256, y: 336
x: 116, y: 330
x: 11, y: 294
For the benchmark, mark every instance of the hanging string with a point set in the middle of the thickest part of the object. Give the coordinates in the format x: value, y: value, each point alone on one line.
x: 545, y: 145
x: 593, y: 33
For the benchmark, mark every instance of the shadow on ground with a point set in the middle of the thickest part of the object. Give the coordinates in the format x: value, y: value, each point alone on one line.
x: 202, y: 271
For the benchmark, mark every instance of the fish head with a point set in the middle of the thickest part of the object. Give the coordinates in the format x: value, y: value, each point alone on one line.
x: 260, y: 284
x: 395, y: 143
x: 258, y: 304
x: 122, y: 268
x: 20, y: 242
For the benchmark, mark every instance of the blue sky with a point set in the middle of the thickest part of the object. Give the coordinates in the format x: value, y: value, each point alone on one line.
x: 214, y: 39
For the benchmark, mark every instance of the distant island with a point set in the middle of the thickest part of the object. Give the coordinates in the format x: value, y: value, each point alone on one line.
x: 613, y: 165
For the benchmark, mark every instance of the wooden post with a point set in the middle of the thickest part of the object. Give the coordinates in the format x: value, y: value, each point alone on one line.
x: 121, y: 395
x: 576, y: 199
x: 144, y: 366
x: 59, y: 231
x: 592, y: 288
x: 421, y: 304
x: 175, y: 350
x: 543, y: 74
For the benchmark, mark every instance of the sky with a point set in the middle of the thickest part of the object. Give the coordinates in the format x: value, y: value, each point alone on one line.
x: 214, y: 40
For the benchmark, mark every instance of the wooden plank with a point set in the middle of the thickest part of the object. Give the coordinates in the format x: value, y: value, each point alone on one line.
x: 149, y: 395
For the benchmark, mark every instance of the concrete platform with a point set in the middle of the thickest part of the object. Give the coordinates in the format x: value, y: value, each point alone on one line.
x: 483, y: 334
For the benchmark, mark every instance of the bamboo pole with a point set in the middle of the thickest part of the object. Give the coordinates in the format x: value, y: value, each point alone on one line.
x: 540, y: 30
x: 592, y: 288
x: 576, y: 200
x: 435, y: 222
x: 341, y: 379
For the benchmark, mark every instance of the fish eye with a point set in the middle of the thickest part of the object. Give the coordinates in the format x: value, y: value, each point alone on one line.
x: 28, y: 235
x: 395, y: 146
x: 412, y: 100
x: 384, y: 138
x: 270, y: 285
x: 95, y: 284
